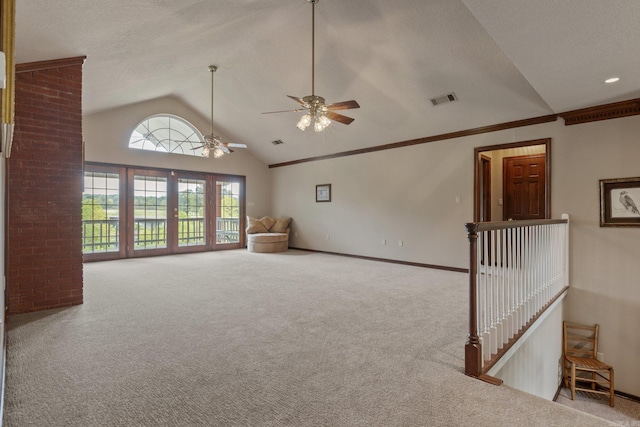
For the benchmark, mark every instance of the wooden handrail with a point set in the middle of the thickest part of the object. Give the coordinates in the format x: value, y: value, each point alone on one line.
x: 503, y: 225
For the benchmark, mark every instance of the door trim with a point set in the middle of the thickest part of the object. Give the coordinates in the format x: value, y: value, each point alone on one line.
x: 477, y: 169
x: 485, y: 187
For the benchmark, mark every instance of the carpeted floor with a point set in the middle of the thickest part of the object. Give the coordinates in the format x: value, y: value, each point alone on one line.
x: 626, y: 412
x: 238, y: 339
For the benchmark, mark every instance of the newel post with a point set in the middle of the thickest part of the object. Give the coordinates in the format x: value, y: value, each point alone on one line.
x: 473, y: 348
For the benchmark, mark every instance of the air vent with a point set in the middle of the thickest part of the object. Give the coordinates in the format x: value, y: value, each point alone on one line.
x: 450, y: 97
x: 277, y: 142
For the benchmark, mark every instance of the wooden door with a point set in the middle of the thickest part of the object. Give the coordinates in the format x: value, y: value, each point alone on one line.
x: 524, y: 187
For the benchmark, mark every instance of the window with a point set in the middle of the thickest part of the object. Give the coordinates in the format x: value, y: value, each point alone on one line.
x: 149, y: 212
x: 101, y: 212
x: 168, y: 134
x: 191, y: 212
x: 227, y: 212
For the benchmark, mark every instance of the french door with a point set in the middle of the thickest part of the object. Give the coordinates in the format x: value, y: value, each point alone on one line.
x: 161, y: 212
x: 148, y: 223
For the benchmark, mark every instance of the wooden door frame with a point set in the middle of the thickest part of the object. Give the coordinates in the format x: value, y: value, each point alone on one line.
x: 477, y: 169
x: 132, y: 252
x: 483, y: 183
x: 242, y: 213
x: 202, y: 176
x: 122, y: 211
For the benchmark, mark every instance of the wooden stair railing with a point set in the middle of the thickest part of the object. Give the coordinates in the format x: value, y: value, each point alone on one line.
x: 517, y: 269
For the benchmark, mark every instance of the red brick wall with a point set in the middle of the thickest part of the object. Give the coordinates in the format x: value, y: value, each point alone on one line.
x: 45, y: 188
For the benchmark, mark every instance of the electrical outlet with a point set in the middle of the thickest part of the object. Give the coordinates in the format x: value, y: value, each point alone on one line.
x: 295, y: 234
x: 400, y: 243
x: 600, y: 356
x: 384, y: 242
x: 457, y: 199
x: 328, y: 237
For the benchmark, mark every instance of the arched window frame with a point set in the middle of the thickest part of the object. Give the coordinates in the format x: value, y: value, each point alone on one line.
x: 167, y: 133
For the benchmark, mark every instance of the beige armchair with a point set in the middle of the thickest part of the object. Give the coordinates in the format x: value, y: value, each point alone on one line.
x: 267, y: 234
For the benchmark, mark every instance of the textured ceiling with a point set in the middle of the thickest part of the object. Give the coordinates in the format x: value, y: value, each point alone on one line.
x: 506, y: 60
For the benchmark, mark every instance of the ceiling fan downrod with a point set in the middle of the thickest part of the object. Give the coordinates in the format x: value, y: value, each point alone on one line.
x: 317, y: 111
x: 213, y: 69
x: 313, y: 45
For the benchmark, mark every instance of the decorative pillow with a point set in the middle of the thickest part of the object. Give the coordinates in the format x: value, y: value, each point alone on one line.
x: 268, y: 222
x: 255, y: 226
x: 280, y: 225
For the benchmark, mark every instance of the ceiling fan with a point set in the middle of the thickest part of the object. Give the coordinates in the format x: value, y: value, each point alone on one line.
x: 212, y: 144
x: 315, y: 107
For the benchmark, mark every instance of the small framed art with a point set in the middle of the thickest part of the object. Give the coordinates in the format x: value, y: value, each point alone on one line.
x: 620, y: 202
x: 323, y: 193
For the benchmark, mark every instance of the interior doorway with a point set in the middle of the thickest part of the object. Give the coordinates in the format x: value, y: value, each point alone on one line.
x: 513, y: 181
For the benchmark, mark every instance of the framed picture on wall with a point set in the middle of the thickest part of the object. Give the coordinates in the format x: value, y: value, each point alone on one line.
x: 323, y: 193
x: 620, y: 202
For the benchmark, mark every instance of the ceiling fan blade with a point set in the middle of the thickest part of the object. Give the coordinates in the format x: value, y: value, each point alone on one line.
x: 344, y: 105
x: 225, y: 149
x: 234, y: 145
x: 298, y: 100
x: 339, y: 118
x: 285, y: 111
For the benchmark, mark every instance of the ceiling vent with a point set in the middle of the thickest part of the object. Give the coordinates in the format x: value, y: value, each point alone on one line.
x: 450, y: 97
x: 277, y: 142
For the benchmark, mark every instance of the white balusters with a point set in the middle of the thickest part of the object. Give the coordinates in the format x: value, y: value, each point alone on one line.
x: 520, y: 268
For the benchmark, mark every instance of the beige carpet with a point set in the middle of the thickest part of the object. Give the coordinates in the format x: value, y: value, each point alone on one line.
x: 239, y: 339
x: 626, y: 412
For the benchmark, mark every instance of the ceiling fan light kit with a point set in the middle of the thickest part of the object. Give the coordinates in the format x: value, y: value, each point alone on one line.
x: 317, y: 111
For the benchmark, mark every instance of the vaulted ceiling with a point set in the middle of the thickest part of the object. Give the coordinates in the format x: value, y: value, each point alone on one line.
x: 505, y: 60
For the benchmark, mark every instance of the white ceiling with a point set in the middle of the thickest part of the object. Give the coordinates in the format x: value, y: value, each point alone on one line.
x: 506, y: 60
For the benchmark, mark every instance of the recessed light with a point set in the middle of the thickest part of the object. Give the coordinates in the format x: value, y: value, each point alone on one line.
x: 612, y: 80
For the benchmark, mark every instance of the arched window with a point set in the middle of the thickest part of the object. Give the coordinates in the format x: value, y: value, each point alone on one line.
x: 168, y: 134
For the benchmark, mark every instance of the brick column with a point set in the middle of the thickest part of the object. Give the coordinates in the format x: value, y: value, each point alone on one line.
x: 45, y: 188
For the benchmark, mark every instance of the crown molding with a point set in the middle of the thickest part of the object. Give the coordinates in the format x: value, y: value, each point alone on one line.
x: 46, y: 65
x: 602, y: 112
x: 441, y: 137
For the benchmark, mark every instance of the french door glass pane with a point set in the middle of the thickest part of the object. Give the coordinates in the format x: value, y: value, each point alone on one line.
x: 191, y: 212
x: 227, y: 212
x: 149, y: 212
x: 100, y: 212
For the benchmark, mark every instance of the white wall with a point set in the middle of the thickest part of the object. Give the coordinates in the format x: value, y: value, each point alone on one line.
x: 107, y: 135
x: 405, y: 194
x: 409, y: 194
x: 605, y: 267
x: 535, y: 366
